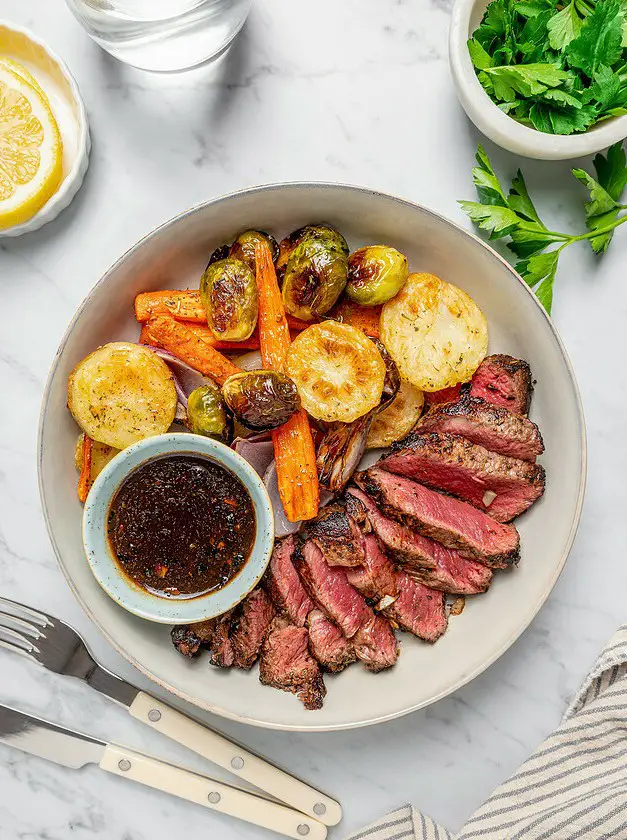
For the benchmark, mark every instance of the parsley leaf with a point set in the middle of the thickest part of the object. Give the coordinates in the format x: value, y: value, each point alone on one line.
x: 564, y: 27
x: 480, y: 58
x: 525, y: 79
x: 602, y: 209
x: 600, y: 40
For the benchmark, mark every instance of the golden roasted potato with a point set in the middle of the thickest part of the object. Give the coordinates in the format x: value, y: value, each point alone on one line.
x: 435, y: 332
x: 399, y: 418
x: 101, y: 454
x: 338, y: 371
x: 122, y: 393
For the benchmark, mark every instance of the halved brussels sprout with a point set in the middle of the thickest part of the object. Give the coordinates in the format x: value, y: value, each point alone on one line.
x: 315, y: 271
x: 244, y: 246
x: 220, y: 253
x: 376, y: 274
x: 261, y: 399
x: 229, y: 294
x: 207, y: 414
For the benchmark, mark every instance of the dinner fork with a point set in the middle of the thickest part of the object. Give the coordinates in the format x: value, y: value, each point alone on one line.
x: 58, y: 647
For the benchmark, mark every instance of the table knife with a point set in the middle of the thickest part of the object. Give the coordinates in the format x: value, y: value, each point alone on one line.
x: 72, y: 749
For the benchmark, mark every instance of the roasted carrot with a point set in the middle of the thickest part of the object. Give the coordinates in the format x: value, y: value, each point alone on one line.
x: 185, y: 305
x: 294, y: 450
x: 174, y: 336
x: 203, y: 332
x: 84, y: 481
x: 364, y: 318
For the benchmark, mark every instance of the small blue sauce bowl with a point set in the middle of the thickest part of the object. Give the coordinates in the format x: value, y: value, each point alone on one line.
x: 122, y: 588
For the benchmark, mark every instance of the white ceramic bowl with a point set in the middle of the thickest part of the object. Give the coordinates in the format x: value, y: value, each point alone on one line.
x: 52, y: 73
x: 176, y: 254
x: 491, y: 121
x: 107, y: 570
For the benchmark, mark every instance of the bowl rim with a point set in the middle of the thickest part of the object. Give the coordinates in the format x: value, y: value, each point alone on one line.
x: 131, y: 596
x: 71, y: 183
x: 534, y: 608
x: 503, y: 129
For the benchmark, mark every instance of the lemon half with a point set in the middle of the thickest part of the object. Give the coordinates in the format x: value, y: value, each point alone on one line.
x: 31, y: 149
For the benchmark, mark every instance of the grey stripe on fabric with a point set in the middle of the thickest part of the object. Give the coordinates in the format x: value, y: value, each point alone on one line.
x: 592, y: 806
x: 408, y: 833
x: 585, y: 830
x: 380, y: 827
x: 615, y: 832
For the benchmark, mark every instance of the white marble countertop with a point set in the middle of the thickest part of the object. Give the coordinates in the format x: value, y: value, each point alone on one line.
x: 359, y: 92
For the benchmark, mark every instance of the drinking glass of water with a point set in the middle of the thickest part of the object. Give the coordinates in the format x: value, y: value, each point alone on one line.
x: 163, y: 35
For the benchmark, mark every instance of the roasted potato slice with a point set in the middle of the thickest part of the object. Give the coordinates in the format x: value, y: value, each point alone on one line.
x: 101, y: 454
x: 399, y: 418
x: 122, y: 393
x: 338, y: 371
x: 435, y: 332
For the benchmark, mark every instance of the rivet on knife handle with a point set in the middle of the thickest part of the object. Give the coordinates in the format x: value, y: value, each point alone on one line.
x: 234, y: 758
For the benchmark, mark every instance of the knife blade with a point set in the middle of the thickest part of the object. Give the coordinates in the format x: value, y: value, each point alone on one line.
x: 72, y: 749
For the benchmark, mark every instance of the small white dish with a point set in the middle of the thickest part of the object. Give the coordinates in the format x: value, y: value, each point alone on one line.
x: 496, y: 125
x: 119, y: 586
x: 66, y: 102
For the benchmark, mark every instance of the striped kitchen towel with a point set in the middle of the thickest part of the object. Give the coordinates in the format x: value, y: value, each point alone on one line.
x: 573, y: 786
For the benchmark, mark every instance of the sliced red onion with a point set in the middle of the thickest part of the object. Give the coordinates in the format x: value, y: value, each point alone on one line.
x: 258, y: 453
x: 282, y: 525
x: 186, y: 379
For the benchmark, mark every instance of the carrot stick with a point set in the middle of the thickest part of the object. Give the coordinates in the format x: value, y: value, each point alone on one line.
x: 203, y: 332
x: 294, y: 450
x: 177, y: 338
x: 84, y: 481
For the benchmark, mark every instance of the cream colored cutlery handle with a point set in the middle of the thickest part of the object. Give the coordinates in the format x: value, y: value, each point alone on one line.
x: 232, y: 757
x: 210, y: 793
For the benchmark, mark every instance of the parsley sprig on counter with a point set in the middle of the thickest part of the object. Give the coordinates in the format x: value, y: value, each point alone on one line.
x: 514, y: 215
x: 557, y: 65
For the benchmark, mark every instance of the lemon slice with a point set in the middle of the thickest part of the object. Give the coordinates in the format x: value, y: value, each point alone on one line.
x: 31, y: 150
x: 23, y: 73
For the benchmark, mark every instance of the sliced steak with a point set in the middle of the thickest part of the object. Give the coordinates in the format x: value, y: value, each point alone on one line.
x: 444, y: 395
x: 329, y: 587
x: 505, y: 381
x: 214, y: 634
x: 375, y: 644
x: 468, y: 471
x: 418, y: 609
x: 284, y: 585
x: 373, y: 639
x: 337, y: 536
x: 425, y: 559
x: 492, y: 426
x: 189, y: 638
x: 251, y: 627
x: 376, y: 577
x: 287, y: 664
x: 451, y: 522
x: 327, y: 643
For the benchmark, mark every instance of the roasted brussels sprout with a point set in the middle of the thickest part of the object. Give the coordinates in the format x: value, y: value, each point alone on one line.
x: 220, y: 253
x: 261, y: 399
x: 315, y: 272
x: 375, y: 274
x: 229, y: 294
x: 244, y: 246
x: 207, y: 414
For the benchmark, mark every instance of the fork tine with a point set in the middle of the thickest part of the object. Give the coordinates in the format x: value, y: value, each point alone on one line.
x: 38, y: 617
x: 12, y: 640
x: 13, y: 622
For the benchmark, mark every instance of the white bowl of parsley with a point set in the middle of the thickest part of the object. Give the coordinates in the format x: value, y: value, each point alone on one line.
x: 546, y: 79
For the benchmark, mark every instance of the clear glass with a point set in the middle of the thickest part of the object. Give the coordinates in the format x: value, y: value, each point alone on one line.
x: 162, y: 35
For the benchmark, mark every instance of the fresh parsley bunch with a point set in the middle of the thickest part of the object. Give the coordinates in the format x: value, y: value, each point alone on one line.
x: 513, y: 215
x: 558, y: 66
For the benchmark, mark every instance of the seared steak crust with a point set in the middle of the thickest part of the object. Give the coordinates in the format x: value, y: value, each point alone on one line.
x: 284, y: 585
x: 188, y: 639
x: 251, y: 627
x: 337, y: 536
x: 455, y: 465
x: 488, y: 425
x: 287, y: 664
x: 449, y: 521
x: 505, y: 381
x: 327, y: 644
x: 426, y: 560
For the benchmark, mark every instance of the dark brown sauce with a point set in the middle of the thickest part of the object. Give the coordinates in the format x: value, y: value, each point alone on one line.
x: 181, y: 526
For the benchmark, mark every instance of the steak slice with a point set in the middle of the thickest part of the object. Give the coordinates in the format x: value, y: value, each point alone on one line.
x: 492, y: 426
x: 251, y: 627
x: 418, y: 609
x: 287, y: 664
x: 327, y: 643
x: 376, y: 577
x: 451, y: 522
x: 468, y: 471
x: 373, y: 640
x: 337, y: 536
x: 444, y: 395
x: 285, y: 586
x: 189, y: 638
x: 214, y: 634
x: 426, y: 560
x: 504, y: 381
